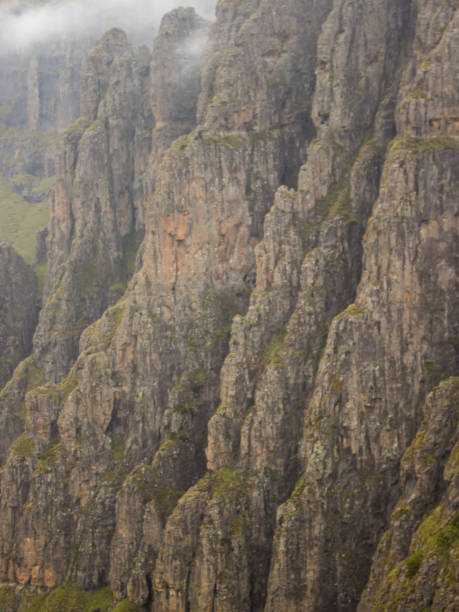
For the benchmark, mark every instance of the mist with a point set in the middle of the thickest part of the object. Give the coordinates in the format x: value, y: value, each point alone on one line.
x: 25, y: 24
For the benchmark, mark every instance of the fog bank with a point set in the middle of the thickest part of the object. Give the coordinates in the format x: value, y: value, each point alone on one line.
x: 23, y: 24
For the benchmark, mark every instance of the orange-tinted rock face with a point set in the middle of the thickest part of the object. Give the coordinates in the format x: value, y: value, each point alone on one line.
x: 232, y: 418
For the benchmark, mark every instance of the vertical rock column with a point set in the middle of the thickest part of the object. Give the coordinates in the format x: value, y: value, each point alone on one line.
x: 94, y: 209
x: 383, y: 353
x: 18, y: 310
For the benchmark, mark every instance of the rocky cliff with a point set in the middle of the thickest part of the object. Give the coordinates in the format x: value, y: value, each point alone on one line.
x: 242, y: 392
x: 39, y: 95
x: 18, y: 310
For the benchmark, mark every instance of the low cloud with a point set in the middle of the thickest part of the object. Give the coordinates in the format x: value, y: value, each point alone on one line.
x: 24, y: 24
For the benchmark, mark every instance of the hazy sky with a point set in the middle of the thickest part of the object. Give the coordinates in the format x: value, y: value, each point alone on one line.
x: 48, y: 20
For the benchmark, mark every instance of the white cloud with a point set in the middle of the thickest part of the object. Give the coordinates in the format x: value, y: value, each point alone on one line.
x: 23, y: 24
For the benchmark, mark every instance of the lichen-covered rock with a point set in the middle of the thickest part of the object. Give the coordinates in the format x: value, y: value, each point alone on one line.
x: 415, y: 564
x: 382, y: 357
x: 308, y: 265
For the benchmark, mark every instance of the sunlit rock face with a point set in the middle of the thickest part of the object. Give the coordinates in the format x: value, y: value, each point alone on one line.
x: 242, y: 392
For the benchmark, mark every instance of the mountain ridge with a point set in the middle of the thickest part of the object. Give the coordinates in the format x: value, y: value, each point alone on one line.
x: 242, y: 393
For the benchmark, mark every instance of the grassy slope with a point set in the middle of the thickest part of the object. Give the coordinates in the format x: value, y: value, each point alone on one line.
x: 62, y: 599
x: 20, y: 221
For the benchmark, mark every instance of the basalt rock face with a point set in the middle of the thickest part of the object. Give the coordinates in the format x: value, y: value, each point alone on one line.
x: 175, y: 82
x: 95, y: 212
x: 40, y: 85
x: 45, y: 82
x: 18, y: 310
x: 384, y: 353
x: 415, y: 563
x: 156, y: 354
x: 106, y: 171
x: 308, y: 267
x: 19, y: 307
x: 266, y: 409
x: 39, y: 95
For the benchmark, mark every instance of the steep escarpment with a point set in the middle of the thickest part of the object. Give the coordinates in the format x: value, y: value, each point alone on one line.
x: 94, y: 212
x: 18, y: 310
x: 155, y: 355
x: 40, y: 85
x: 383, y: 354
x: 105, y: 176
x: 39, y: 95
x: 308, y: 267
x: 261, y: 413
x: 415, y: 562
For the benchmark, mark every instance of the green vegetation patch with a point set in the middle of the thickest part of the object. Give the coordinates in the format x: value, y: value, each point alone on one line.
x: 28, y: 377
x: 23, y: 447
x: 20, y: 221
x: 413, y: 564
x: 41, y: 270
x: 117, y: 444
x: 186, y: 394
x: 104, y: 329
x: 33, y: 138
x: 453, y: 461
x: 340, y: 192
x: 433, y: 372
x: 436, y: 538
x: 48, y: 458
x: 228, y: 481
x: 297, y: 494
x: 44, y: 187
x: 35, y: 376
x: 422, y: 145
x: 230, y: 141
x: 272, y: 355
x: 76, y: 128
x: 166, y: 499
x: 352, y: 311
x: 141, y: 478
x: 24, y: 179
x: 342, y: 206
x: 173, y: 443
x: 182, y: 142
x: 97, y: 125
x: 130, y: 256
x: 67, y: 385
x: 69, y: 599
x: 126, y: 606
x: 417, y: 94
x: 7, y: 599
